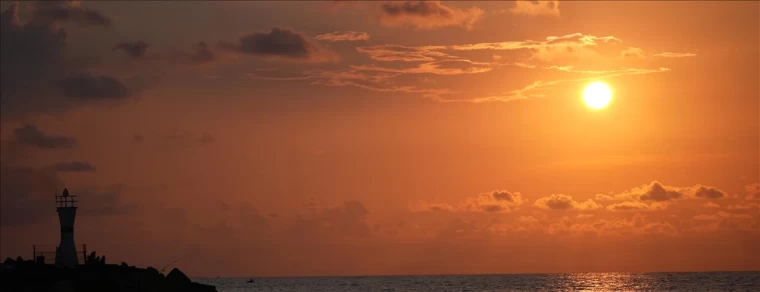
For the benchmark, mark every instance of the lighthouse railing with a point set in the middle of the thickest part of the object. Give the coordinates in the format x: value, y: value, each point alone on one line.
x: 66, y: 201
x: 46, y: 253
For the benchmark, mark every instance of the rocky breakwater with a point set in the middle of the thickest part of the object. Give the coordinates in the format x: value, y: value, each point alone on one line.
x: 96, y: 276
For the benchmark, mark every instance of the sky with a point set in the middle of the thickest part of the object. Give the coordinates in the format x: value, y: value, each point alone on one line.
x: 385, y: 138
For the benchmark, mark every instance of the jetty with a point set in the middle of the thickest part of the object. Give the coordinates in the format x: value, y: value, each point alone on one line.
x: 68, y: 274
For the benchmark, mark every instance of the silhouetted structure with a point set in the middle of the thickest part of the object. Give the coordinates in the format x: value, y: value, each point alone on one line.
x: 46, y: 253
x: 66, y: 253
x: 95, y: 276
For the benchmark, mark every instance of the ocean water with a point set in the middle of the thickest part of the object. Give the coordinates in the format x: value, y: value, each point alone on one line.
x: 707, y: 281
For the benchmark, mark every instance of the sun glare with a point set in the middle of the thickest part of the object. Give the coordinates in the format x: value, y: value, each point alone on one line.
x: 597, y: 95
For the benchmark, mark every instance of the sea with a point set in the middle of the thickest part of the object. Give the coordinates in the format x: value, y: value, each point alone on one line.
x: 702, y: 281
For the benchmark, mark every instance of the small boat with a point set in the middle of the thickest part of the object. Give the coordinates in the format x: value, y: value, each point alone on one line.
x: 250, y: 281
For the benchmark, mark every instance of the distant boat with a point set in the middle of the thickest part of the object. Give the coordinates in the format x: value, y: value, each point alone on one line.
x: 250, y: 281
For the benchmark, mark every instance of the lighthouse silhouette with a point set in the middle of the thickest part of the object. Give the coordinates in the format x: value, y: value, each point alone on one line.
x: 66, y: 253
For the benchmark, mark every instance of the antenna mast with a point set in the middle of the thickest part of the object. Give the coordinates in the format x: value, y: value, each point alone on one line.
x: 174, y: 262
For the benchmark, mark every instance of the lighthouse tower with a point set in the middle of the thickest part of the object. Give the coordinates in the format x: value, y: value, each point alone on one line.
x: 66, y: 253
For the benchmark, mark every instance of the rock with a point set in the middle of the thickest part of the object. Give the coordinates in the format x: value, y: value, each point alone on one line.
x: 177, y: 280
x: 90, y: 258
x: 20, y: 275
x: 63, y: 286
x: 9, y: 262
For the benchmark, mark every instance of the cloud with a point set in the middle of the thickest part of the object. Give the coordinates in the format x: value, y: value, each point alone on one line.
x: 251, y: 219
x: 504, y: 196
x: 536, y: 8
x: 748, y: 206
x: 530, y: 91
x: 106, y: 201
x: 584, y: 216
x: 36, y: 68
x: 564, y: 202
x: 561, y: 42
x: 206, y: 138
x: 753, y: 191
x: 499, y: 201
x: 542, y: 50
x: 388, y: 53
x: 25, y: 194
x: 343, y: 36
x: 632, y: 53
x: 658, y: 193
x: 611, y: 73
x: 638, y: 224
x: 74, y: 166
x: 280, y: 43
x: 711, y: 205
x: 737, y: 216
x: 202, y: 54
x: 458, y: 229
x: 91, y: 87
x: 726, y: 221
x: 183, y: 138
x: 33, y: 136
x: 444, y: 67
x: 675, y: 55
x: 523, y: 65
x: 426, y: 15
x: 341, y: 222
x: 495, y: 201
x: 441, y: 60
x: 135, y: 50
x: 709, y: 193
x: 630, y: 206
x: 369, y: 80
x: 60, y: 11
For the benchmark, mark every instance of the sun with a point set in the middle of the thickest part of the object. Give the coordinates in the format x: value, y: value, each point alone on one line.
x: 597, y: 95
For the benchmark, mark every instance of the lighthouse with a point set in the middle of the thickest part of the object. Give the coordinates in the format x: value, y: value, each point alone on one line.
x: 66, y: 253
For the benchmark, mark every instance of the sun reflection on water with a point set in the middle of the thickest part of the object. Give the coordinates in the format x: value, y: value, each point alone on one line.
x: 602, y: 282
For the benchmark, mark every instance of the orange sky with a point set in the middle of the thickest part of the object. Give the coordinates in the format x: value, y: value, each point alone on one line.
x: 345, y: 138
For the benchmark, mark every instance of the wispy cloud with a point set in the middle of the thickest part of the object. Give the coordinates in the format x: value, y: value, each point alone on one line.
x: 499, y: 201
x: 426, y: 15
x: 388, y: 53
x: 632, y: 53
x: 753, y: 191
x: 565, y: 202
x: 570, y: 40
x: 549, y: 49
x: 536, y: 8
x: 31, y: 135
x: 532, y: 90
x: 442, y: 60
x: 338, y: 36
x: 74, y: 166
x: 675, y: 55
x: 135, y: 50
x: 455, y: 67
x: 370, y: 80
